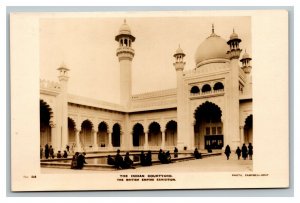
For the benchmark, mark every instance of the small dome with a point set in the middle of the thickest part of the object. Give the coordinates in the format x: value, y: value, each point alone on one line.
x: 179, y: 51
x: 214, y: 47
x: 125, y: 29
x: 245, y: 56
x: 233, y: 35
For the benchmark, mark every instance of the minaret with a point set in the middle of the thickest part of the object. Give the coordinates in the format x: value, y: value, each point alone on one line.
x: 125, y: 53
x: 246, y: 66
x: 232, y: 92
x: 63, y: 77
x: 181, y: 111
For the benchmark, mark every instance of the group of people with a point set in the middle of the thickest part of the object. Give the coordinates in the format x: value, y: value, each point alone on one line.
x: 78, y: 160
x: 49, y: 152
x: 164, y: 157
x: 118, y: 162
x: 245, y: 151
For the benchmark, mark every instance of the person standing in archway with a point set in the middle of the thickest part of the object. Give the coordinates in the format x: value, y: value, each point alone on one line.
x: 46, y: 151
x: 175, y: 152
x: 227, y: 151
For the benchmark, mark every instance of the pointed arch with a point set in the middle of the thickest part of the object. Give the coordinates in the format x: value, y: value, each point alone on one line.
x: 155, y: 135
x: 86, y: 137
x: 138, y: 135
x: 171, y: 133
x: 116, y: 135
x: 46, y: 115
x: 71, y: 131
x: 102, y: 135
x: 248, y: 130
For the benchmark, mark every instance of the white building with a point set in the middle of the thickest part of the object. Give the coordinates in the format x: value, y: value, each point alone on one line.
x: 211, y: 106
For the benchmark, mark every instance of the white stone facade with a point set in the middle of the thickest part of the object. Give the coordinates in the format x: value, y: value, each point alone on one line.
x: 208, y: 108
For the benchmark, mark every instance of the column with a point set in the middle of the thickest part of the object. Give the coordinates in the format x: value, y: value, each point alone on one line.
x: 242, y: 135
x: 163, y: 139
x: 78, y: 147
x: 53, y: 136
x: 110, y: 140
x: 95, y: 146
x: 146, y: 140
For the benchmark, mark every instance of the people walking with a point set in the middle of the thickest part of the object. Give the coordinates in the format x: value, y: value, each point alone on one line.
x: 244, y: 152
x: 250, y: 151
x: 238, y: 152
x: 227, y: 152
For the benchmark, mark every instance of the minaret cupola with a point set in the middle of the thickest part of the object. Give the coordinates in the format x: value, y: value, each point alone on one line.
x: 246, y: 66
x: 234, y: 41
x: 125, y: 39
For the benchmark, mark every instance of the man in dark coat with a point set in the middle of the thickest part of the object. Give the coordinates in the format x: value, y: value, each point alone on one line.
x: 128, y: 163
x: 227, y: 151
x: 51, y: 152
x: 65, y: 155
x: 58, y: 155
x: 143, y: 158
x: 175, y: 152
x: 160, y: 155
x: 74, y: 161
x: 250, y: 151
x: 197, y: 154
x: 149, y: 158
x: 244, y: 151
x: 110, y: 160
x: 46, y: 151
x: 81, y: 160
x: 238, y: 152
x: 118, y: 160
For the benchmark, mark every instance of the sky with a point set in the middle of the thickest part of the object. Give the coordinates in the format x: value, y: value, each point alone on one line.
x: 87, y: 47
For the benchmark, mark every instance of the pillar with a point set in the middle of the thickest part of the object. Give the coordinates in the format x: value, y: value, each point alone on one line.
x: 242, y: 135
x: 146, y: 140
x: 110, y: 139
x: 95, y: 145
x: 53, y: 136
x: 163, y: 137
x: 77, y: 140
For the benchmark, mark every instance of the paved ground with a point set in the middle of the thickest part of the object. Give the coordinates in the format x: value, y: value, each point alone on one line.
x: 214, y: 164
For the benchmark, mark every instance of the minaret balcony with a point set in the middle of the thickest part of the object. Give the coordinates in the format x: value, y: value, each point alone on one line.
x: 212, y: 93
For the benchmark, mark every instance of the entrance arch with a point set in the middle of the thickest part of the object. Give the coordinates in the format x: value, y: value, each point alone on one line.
x: 103, y: 134
x: 248, y: 130
x: 138, y: 135
x: 171, y: 133
x: 45, y: 121
x: 116, y: 135
x: 71, y: 131
x: 155, y: 135
x: 208, y: 128
x: 86, y: 134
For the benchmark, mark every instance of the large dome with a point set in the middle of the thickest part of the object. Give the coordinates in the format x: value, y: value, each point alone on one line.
x: 214, y: 47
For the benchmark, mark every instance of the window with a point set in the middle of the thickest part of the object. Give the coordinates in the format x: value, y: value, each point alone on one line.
x: 206, y: 88
x: 195, y: 90
x: 219, y: 86
x: 213, y: 130
x: 207, y: 130
x: 219, y: 130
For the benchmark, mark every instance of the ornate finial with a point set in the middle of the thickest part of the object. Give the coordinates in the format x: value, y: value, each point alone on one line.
x: 233, y: 30
x: 245, y: 50
x: 213, y: 29
x: 124, y: 20
x: 179, y: 45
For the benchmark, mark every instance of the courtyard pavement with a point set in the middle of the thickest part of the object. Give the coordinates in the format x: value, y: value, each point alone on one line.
x: 209, y: 164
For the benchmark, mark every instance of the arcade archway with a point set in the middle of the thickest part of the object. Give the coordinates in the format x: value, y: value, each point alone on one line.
x: 45, y: 128
x: 248, y: 130
x: 102, y: 134
x: 155, y: 135
x: 208, y: 128
x: 138, y: 135
x: 86, y: 137
x: 116, y: 135
x: 71, y: 132
x: 171, y: 133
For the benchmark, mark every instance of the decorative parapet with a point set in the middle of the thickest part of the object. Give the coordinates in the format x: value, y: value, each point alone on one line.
x: 49, y: 86
x: 155, y: 94
x: 207, y: 69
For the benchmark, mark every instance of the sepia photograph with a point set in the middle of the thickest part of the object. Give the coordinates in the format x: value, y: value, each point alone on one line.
x: 148, y: 100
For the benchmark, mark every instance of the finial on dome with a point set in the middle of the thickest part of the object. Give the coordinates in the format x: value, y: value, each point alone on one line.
x: 213, y: 29
x: 124, y: 20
